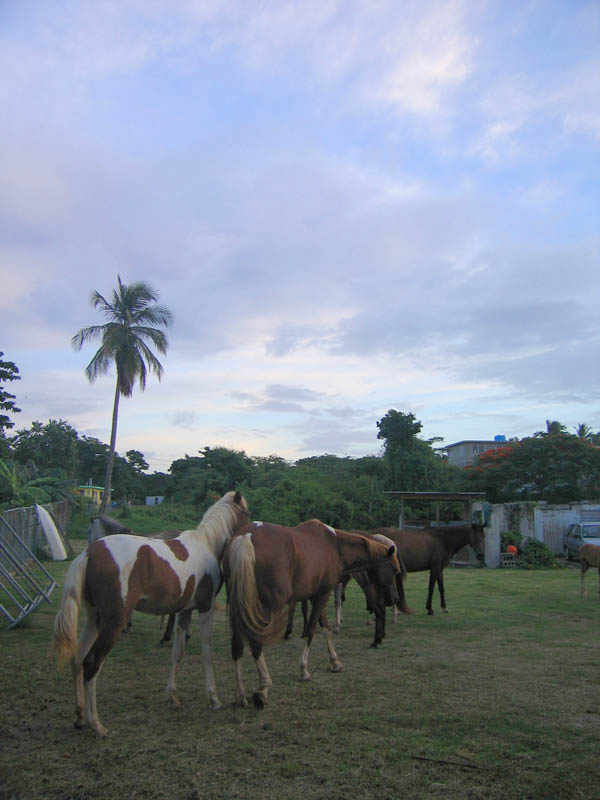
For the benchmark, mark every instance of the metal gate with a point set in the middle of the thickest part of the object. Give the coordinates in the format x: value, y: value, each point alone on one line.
x: 24, y: 581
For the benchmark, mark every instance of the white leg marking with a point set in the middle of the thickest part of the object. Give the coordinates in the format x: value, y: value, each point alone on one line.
x: 240, y: 692
x: 334, y: 663
x: 176, y: 655
x: 209, y: 679
x: 303, y: 662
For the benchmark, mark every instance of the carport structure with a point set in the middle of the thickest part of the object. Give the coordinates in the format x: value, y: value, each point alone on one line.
x: 466, y: 500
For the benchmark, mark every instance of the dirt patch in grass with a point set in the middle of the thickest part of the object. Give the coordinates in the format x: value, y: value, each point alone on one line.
x: 499, y: 698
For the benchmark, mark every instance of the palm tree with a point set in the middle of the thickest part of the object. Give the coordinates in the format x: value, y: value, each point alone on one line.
x: 553, y: 428
x: 584, y: 431
x: 133, y: 317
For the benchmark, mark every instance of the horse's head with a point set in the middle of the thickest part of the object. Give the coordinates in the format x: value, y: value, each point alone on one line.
x: 383, y: 575
x: 104, y: 526
x: 477, y: 539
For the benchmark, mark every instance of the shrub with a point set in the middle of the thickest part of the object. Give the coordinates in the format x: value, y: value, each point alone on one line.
x: 534, y: 555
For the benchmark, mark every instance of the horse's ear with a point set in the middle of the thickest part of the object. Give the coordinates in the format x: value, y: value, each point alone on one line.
x: 391, y: 551
x: 237, y: 498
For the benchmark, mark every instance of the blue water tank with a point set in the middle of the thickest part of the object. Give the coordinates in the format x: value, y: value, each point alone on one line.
x: 500, y: 438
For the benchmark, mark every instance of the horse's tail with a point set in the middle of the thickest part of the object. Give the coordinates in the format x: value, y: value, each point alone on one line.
x: 247, y: 615
x: 64, y: 635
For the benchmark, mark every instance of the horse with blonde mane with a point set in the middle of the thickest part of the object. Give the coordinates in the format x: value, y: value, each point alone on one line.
x: 120, y: 573
x: 270, y: 567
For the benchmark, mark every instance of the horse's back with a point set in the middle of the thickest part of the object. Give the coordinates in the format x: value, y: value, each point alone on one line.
x: 590, y: 554
x: 417, y: 549
x: 302, y: 557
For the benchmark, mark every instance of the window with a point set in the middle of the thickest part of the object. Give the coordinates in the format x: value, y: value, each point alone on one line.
x: 591, y: 532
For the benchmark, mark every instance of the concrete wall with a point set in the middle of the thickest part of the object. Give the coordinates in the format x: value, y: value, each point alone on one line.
x: 546, y: 523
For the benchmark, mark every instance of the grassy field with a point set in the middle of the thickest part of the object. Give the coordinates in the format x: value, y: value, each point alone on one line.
x: 500, y: 698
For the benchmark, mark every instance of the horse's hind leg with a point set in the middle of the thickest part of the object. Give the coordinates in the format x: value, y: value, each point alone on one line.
x: 335, y: 664
x: 84, y: 645
x: 440, y: 583
x: 237, y: 651
x: 259, y: 698
x: 432, y: 580
x: 317, y: 613
x: 92, y: 664
x: 181, y: 622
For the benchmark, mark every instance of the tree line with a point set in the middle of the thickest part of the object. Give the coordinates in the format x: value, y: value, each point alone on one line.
x: 46, y: 461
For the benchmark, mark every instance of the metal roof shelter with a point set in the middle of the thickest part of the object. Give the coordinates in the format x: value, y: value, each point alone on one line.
x: 465, y: 498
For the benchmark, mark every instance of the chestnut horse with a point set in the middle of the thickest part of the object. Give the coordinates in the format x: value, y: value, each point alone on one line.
x: 377, y: 599
x: 432, y: 548
x: 120, y: 573
x: 589, y: 556
x: 268, y: 567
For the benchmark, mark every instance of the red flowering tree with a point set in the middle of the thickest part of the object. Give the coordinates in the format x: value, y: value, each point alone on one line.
x: 558, y: 468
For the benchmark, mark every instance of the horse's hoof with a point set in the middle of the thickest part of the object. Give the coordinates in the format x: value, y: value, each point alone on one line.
x: 375, y: 644
x: 100, y: 729
x: 305, y: 676
x: 337, y: 667
x: 445, y: 610
x: 258, y: 700
x: 175, y: 702
x: 215, y: 705
x: 430, y: 613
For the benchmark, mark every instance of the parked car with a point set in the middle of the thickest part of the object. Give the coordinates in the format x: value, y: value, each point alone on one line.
x: 580, y: 533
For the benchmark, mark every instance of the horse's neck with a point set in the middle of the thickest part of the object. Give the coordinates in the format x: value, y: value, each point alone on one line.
x: 353, y: 550
x: 455, y: 538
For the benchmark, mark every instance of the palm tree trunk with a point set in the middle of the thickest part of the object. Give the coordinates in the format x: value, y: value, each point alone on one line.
x: 111, y: 452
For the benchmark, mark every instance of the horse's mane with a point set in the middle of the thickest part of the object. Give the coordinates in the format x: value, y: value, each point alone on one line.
x: 112, y: 525
x: 219, y: 521
x: 376, y: 550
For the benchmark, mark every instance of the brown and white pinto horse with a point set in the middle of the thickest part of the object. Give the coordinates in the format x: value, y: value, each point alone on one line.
x: 102, y: 526
x: 120, y: 573
x: 268, y: 567
x: 432, y: 548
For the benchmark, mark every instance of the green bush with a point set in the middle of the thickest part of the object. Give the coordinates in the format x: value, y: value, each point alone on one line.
x: 534, y: 555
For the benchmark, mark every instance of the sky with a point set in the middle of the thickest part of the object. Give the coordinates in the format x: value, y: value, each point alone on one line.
x: 348, y: 206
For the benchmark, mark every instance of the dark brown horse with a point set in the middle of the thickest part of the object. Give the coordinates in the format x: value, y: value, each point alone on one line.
x: 432, y: 548
x: 269, y: 567
x: 120, y: 573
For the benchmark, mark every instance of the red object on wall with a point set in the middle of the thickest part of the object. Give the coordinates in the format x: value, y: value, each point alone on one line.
x: 512, y: 549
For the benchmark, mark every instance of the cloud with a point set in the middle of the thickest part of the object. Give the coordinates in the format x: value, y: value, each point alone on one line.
x: 349, y: 208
